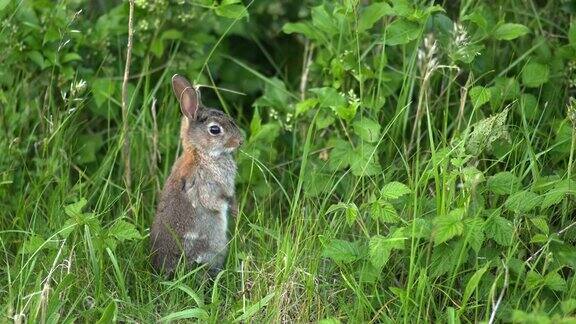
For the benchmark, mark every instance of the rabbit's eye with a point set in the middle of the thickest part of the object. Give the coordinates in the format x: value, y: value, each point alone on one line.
x: 214, y: 129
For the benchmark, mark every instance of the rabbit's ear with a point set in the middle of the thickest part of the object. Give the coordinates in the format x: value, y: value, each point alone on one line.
x: 188, y: 96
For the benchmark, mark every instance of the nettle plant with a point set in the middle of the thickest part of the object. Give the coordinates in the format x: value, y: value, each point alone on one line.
x: 375, y: 75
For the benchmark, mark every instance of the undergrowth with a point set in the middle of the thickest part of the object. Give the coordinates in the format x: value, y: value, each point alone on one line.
x: 406, y: 161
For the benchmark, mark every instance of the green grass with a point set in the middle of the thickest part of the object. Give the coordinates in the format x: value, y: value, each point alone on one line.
x: 398, y: 187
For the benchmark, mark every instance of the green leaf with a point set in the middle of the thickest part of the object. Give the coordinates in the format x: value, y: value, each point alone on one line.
x: 568, y: 306
x: 479, y: 96
x: 33, y: 244
x: 384, y: 211
x: 341, y: 155
x: 533, y: 280
x: 371, y: 14
x: 322, y: 20
x: 503, y: 183
x: 367, y: 129
x: 394, y: 190
x: 473, y: 283
x: 3, y: 4
x: 75, y: 209
x: 510, y: 31
x: 157, y: 47
x: 535, y: 74
x: 304, y: 28
x: 275, y: 94
x: 341, y: 251
x: 473, y: 228
x: 523, y: 201
x: 448, y: 226
x: 124, y: 231
x: 329, y: 97
x: 541, y: 223
x: 555, y: 195
x: 102, y: 90
x: 109, y: 314
x: 304, y: 106
x: 572, y: 33
x: 499, y: 229
x: 554, y: 281
x: 365, y: 161
x: 401, y: 32
x: 379, y: 251
x: 350, y: 210
x: 234, y: 10
x: 171, y: 34
x: 197, y: 313
x: 69, y: 57
x: 487, y: 131
x: 37, y: 58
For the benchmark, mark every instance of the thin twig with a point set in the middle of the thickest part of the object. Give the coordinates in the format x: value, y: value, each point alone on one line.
x: 125, y: 125
x: 155, y: 154
x: 560, y: 232
x: 308, y: 51
x: 496, y: 305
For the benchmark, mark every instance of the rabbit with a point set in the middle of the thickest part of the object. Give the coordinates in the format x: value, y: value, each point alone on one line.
x: 192, y: 214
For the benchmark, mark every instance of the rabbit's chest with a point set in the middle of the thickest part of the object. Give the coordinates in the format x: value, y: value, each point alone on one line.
x: 211, y: 188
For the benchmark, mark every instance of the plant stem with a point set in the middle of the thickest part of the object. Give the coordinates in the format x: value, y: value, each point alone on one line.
x: 125, y: 126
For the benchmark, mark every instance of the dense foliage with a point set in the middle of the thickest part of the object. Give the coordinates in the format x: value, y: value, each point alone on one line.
x: 405, y: 160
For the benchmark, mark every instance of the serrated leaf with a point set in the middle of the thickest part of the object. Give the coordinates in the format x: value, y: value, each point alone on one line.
x: 341, y: 251
x: 394, y: 190
x: 378, y: 250
x: 533, y: 280
x: 523, y: 201
x: 367, y: 129
x: 448, y: 226
x: 371, y: 14
x: 510, y: 31
x: 401, y: 32
x: 499, y: 229
x: 124, y: 231
x: 384, y: 211
x: 32, y: 244
x: 474, y: 229
x: 535, y: 74
x: 554, y: 281
x: 422, y: 228
x: 365, y: 161
x: 479, y: 96
x: 503, y: 183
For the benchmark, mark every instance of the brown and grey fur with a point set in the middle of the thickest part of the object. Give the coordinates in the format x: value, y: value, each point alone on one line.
x: 191, y: 219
